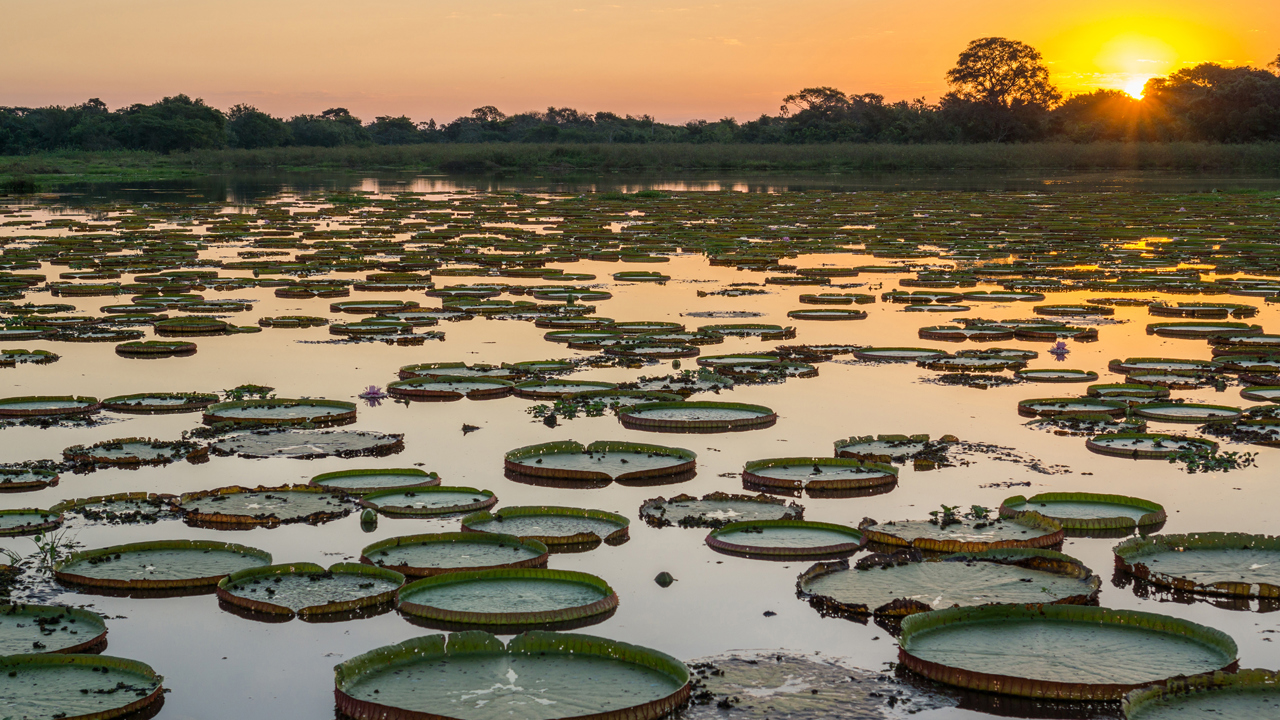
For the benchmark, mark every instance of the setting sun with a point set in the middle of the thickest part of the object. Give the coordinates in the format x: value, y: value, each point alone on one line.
x: 1135, y: 85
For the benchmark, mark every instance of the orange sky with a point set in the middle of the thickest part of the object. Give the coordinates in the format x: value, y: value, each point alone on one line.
x: 672, y: 59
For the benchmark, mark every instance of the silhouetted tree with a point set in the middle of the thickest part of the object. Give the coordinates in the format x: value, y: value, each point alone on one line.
x: 1003, y: 73
x: 249, y: 128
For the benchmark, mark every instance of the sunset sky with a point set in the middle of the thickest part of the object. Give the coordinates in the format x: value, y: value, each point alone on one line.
x: 674, y: 59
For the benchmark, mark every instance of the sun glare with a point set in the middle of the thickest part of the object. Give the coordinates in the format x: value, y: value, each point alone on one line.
x: 1134, y: 85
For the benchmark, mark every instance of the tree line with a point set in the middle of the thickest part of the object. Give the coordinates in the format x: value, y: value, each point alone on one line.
x: 1000, y: 92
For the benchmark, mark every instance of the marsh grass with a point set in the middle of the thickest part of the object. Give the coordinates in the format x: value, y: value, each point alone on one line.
x: 456, y: 158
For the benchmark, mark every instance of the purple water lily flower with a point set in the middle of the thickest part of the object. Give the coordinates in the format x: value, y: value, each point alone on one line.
x: 1060, y: 350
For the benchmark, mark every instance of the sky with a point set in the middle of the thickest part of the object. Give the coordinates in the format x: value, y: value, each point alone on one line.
x: 672, y: 59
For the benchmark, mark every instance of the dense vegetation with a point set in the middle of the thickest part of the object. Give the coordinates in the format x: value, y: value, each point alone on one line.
x: 1000, y: 93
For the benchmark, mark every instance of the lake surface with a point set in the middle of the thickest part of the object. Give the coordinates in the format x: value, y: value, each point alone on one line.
x: 220, y: 665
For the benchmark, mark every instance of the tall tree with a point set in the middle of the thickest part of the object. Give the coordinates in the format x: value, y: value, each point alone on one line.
x: 1003, y: 73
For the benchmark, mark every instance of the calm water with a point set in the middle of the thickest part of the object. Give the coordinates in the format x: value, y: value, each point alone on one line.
x: 219, y: 665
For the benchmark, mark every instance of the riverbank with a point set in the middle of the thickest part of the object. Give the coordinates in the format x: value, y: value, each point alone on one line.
x: 47, y: 170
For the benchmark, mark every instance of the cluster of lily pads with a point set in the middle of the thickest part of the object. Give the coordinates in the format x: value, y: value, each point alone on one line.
x: 991, y: 579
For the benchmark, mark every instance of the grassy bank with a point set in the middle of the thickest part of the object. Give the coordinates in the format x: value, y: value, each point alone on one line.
x: 51, y: 169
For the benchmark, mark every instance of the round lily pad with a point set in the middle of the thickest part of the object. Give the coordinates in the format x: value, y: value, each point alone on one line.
x: 159, y: 403
x: 118, y: 508
x: 450, y: 388
x: 1144, y: 364
x: 48, y: 406
x: 508, y: 599
x: 158, y: 565
x: 602, y: 459
x: 696, y: 417
x: 885, y: 448
x: 786, y: 539
x: 555, y: 526
x: 1064, y: 652
x: 1125, y: 391
x: 1262, y: 393
x: 308, y: 444
x: 553, y: 389
x: 1028, y: 530
x: 15, y: 357
x: 716, y: 510
x: 424, y: 677
x: 1053, y: 375
x: 1048, y: 407
x: 1145, y: 445
x: 360, y: 482
x: 262, y: 506
x: 438, y: 553
x: 282, y: 412
x: 133, y: 452
x: 898, y: 354
x: 817, y: 473
x: 20, y: 479
x: 308, y: 590
x: 429, y: 501
x: 896, y: 586
x: 50, y: 629
x: 76, y: 687
x: 1243, y: 695
x: 1214, y: 563
x: 1089, y: 512
x: 827, y: 314
x: 28, y: 521
x: 1187, y: 412
x: 156, y: 349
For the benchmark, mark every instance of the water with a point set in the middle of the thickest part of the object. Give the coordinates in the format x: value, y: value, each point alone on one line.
x: 226, y: 666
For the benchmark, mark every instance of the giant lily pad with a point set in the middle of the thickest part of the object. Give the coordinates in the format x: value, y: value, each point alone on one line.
x: 429, y: 501
x: 21, y: 479
x: 158, y: 403
x: 450, y: 388
x: 118, y: 508
x: 308, y: 444
x: 900, y: 587
x: 898, y: 354
x: 508, y: 599
x: 786, y: 539
x: 308, y: 590
x: 1028, y: 530
x: 1233, y: 564
x: 1048, y: 407
x: 437, y: 553
x: 1089, y: 513
x: 1243, y: 695
x: 262, y: 506
x: 1146, y: 445
x: 696, y: 417
x: 282, y: 412
x: 28, y: 521
x: 601, y: 460
x: 360, y: 482
x: 158, y: 565
x: 1187, y: 412
x: 555, y: 526
x: 133, y: 452
x: 76, y: 687
x: 50, y: 629
x: 48, y: 406
x: 817, y: 473
x: 716, y: 510
x: 1067, y: 652
x: 424, y: 677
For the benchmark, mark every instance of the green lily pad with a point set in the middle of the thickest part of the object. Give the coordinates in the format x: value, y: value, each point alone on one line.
x: 716, y: 510
x: 1233, y: 564
x: 27, y: 521
x: 265, y: 506
x: 555, y: 526
x: 899, y: 588
x: 1028, y: 530
x: 428, y: 677
x: 1243, y: 695
x: 429, y: 501
x: 282, y: 411
x: 437, y: 553
x: 814, y: 473
x: 1145, y: 445
x: 158, y: 565
x: 359, y: 482
x: 308, y: 590
x: 1068, y: 652
x: 786, y: 539
x: 601, y: 460
x: 508, y: 599
x: 76, y: 687
x: 1088, y: 512
x: 50, y: 629
x: 696, y: 417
